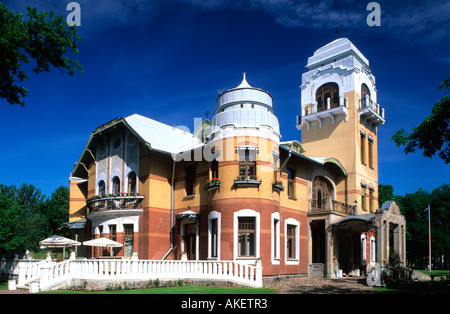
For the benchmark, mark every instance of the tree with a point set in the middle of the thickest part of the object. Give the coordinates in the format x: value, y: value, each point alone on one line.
x: 27, y: 217
x: 433, y: 134
x: 385, y: 193
x: 57, y: 209
x: 43, y: 37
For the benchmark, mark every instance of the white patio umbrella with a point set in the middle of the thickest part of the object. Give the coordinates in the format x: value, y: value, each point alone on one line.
x: 103, y: 242
x: 57, y: 241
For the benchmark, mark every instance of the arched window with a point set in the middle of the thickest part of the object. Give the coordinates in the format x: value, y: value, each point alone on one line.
x: 101, y: 188
x: 327, y: 91
x: 132, y: 182
x: 116, y: 185
x: 365, y: 92
x: 322, y: 192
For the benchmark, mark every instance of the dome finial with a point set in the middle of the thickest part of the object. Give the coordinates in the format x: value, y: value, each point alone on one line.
x: 244, y: 82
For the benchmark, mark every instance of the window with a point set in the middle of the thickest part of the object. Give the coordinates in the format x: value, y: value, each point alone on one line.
x: 190, y: 178
x: 214, y: 169
x: 371, y: 201
x: 327, y: 91
x: 372, y: 249
x: 132, y: 182
x: 101, y: 188
x: 246, y: 236
x: 365, y: 95
x: 275, y: 238
x: 292, y: 228
x: 363, y: 250
x: 363, y: 198
x: 370, y: 152
x: 291, y: 181
x: 247, y: 162
x: 319, y: 198
x: 116, y: 185
x: 363, y: 148
x: 290, y: 241
x: 214, y: 235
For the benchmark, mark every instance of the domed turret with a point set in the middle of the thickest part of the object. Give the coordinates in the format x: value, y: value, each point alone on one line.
x: 245, y: 107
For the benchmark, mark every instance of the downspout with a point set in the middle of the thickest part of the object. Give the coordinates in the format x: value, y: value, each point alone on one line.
x: 279, y: 206
x: 171, y: 210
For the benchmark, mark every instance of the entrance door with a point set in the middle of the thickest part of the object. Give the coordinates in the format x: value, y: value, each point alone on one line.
x: 318, y: 241
x: 190, y: 239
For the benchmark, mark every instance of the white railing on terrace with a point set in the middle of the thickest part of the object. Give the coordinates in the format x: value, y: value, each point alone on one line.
x: 29, y: 271
x: 52, y: 274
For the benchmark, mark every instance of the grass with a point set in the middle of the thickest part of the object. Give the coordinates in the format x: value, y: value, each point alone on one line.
x: 174, y: 290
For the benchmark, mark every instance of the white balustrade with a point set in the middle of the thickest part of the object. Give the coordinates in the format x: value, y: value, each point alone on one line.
x: 53, y: 273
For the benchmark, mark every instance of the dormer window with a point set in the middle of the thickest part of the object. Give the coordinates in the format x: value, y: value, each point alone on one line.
x: 327, y: 91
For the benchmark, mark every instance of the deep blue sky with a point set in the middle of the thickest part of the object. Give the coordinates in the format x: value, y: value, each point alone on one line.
x: 168, y: 60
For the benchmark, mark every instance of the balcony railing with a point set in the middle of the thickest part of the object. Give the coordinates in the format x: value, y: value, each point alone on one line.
x: 371, y: 111
x: 100, y: 203
x: 329, y: 205
x: 315, y: 113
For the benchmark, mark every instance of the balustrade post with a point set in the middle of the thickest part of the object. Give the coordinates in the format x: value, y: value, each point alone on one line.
x: 22, y: 274
x: 258, y: 273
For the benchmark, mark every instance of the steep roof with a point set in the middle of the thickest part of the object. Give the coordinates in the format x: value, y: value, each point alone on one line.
x: 155, y: 135
x: 160, y: 136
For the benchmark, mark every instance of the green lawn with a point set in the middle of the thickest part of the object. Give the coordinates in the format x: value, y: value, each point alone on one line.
x: 175, y: 290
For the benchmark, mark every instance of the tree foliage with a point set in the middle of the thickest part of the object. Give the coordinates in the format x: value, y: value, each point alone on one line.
x: 433, y: 134
x: 27, y: 217
x: 43, y: 37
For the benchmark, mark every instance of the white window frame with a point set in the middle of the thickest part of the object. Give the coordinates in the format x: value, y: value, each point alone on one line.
x: 214, y: 215
x: 236, y: 216
x: 363, y: 250
x: 275, y: 256
x: 372, y: 249
x: 296, y: 260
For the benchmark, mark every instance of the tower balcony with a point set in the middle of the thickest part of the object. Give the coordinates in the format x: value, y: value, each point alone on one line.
x: 314, y: 112
x: 370, y: 112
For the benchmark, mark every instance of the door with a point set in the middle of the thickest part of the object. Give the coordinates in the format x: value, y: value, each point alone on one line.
x: 190, y: 240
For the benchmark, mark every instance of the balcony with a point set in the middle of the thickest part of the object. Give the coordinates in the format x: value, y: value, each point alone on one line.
x: 370, y: 112
x: 113, y: 206
x: 314, y: 113
x: 330, y: 206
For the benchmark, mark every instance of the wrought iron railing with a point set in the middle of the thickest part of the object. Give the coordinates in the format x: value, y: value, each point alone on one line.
x: 114, y: 202
x: 329, y: 205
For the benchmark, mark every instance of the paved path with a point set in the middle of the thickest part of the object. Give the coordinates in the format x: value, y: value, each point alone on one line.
x: 311, y: 285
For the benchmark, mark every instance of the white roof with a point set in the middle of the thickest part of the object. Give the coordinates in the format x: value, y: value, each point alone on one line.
x: 335, y: 49
x: 161, y: 136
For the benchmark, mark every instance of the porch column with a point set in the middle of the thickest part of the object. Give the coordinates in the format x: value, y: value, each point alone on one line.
x: 386, y: 241
x: 329, y: 250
